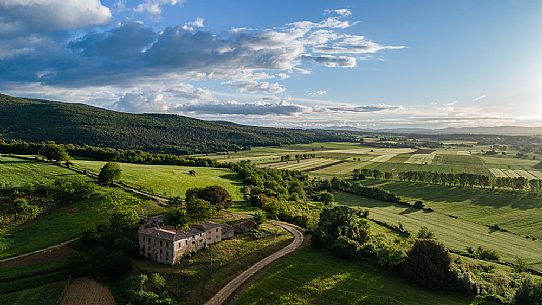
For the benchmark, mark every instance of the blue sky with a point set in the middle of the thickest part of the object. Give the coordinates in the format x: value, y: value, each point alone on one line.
x: 376, y: 64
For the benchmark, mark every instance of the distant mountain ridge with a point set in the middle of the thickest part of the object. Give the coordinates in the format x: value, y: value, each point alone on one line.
x: 497, y: 130
x: 36, y: 120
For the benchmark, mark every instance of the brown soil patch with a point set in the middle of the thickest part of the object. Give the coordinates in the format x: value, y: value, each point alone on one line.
x: 42, y: 257
x: 85, y: 291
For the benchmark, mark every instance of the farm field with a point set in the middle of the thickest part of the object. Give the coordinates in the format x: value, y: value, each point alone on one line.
x: 66, y: 222
x: 519, y: 212
x: 311, y: 276
x: 339, y: 159
x: 46, y: 294
x: 87, y: 291
x: 457, y: 234
x: 70, y: 221
x: 16, y: 172
x: 30, y: 284
x: 170, y: 180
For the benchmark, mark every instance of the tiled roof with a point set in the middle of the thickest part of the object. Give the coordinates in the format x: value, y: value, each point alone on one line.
x: 207, y: 225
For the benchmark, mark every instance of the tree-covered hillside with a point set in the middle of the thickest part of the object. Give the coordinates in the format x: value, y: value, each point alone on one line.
x: 36, y: 120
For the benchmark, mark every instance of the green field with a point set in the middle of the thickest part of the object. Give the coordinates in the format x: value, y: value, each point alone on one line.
x: 49, y: 293
x: 171, y: 180
x: 311, y: 276
x: 16, y: 172
x: 350, y: 156
x: 519, y: 212
x: 66, y: 222
x: 36, y: 283
x: 457, y: 234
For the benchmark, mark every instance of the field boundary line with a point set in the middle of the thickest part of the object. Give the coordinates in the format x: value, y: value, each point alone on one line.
x: 61, y: 297
x: 39, y: 251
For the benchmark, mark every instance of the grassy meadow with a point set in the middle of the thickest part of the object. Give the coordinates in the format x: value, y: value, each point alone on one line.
x: 16, y: 172
x: 456, y: 233
x: 311, y: 276
x: 64, y: 222
x: 170, y: 180
x: 518, y: 212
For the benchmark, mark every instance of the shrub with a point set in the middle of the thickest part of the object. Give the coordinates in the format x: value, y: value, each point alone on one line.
x: 419, y: 204
x: 486, y: 254
x: 109, y: 173
x: 529, y: 292
x: 428, y: 264
x: 425, y: 233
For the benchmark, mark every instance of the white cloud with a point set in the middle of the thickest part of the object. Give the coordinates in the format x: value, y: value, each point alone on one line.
x: 154, y: 7
x: 479, y: 98
x: 39, y: 16
x: 141, y: 102
x: 317, y: 93
x: 341, y: 12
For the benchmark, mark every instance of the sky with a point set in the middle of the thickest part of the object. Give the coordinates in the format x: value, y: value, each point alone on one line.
x: 305, y: 63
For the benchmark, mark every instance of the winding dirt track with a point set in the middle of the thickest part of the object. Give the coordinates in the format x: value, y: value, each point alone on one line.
x: 234, y: 284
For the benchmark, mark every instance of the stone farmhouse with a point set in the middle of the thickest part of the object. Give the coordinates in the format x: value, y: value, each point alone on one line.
x: 164, y: 244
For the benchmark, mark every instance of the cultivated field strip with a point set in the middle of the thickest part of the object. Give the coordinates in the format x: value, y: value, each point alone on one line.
x: 344, y: 168
x: 525, y: 174
x: 510, y: 173
x: 294, y: 165
x: 537, y: 174
x: 497, y: 172
x: 383, y: 158
x: 323, y: 166
x: 88, y: 292
x: 421, y: 159
x: 516, y: 173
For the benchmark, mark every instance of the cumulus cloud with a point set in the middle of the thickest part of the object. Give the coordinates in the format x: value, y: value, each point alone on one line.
x: 154, y: 7
x: 256, y: 86
x: 133, y: 50
x: 333, y: 61
x: 341, y: 12
x: 141, y: 102
x: 39, y: 16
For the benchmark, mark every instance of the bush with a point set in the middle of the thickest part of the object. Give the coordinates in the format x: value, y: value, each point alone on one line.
x: 214, y: 194
x: 428, y: 264
x: 425, y: 233
x: 529, y: 292
x: 486, y: 254
x: 109, y: 173
x: 418, y: 204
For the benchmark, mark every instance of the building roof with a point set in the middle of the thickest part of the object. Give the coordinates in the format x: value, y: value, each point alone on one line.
x: 207, y: 225
x: 169, y: 233
x: 226, y: 228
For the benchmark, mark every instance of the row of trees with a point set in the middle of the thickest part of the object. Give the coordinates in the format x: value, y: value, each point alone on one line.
x: 461, y: 179
x: 60, y: 152
x: 286, y: 158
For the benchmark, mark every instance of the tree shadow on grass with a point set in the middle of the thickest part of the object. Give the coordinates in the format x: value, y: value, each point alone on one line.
x: 482, y: 197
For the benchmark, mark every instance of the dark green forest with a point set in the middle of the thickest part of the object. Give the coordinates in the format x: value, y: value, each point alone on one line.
x: 36, y: 120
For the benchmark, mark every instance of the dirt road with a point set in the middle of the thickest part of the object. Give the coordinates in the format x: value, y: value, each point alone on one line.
x: 234, y: 284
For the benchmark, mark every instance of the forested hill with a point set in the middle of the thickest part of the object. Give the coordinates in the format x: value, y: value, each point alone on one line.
x: 36, y: 120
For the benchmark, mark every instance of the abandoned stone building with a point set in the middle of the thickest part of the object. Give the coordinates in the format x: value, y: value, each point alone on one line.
x: 167, y: 245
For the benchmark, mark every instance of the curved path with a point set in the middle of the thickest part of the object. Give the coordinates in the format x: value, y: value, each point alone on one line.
x: 234, y: 284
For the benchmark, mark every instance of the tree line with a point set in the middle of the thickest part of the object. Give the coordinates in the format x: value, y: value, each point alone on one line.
x: 460, y: 179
